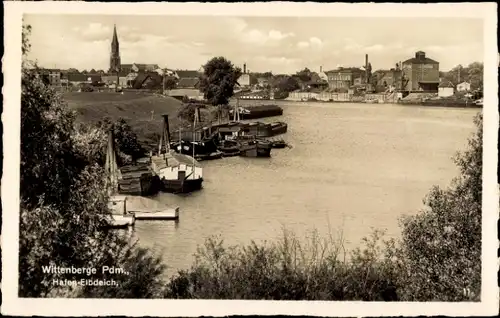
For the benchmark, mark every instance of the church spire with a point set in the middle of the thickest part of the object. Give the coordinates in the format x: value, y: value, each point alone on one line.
x: 114, y: 61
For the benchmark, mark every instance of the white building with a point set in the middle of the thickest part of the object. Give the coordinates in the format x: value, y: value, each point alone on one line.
x: 244, y: 80
x: 463, y: 87
x: 446, y: 89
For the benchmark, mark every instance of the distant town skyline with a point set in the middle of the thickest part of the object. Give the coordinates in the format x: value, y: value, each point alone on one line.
x: 277, y: 44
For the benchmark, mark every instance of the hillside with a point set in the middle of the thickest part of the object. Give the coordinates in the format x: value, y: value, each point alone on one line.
x: 135, y: 107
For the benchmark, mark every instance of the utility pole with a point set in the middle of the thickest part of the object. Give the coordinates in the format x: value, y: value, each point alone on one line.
x: 164, y: 80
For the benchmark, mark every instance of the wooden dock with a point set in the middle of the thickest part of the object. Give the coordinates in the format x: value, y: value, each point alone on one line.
x: 126, y: 210
x: 167, y: 214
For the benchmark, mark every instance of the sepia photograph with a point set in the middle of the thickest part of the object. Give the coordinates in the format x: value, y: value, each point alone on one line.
x: 250, y: 160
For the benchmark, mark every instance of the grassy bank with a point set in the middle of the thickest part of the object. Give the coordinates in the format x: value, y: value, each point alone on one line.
x: 142, y: 111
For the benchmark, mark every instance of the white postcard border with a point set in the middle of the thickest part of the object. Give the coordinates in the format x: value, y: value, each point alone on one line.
x: 78, y: 307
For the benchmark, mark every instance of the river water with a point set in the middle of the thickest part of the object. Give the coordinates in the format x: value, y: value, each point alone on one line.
x: 351, y: 168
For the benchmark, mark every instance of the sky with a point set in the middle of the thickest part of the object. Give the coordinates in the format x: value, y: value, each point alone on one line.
x: 282, y: 45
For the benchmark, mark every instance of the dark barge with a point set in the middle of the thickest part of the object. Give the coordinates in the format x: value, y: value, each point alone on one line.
x: 260, y: 111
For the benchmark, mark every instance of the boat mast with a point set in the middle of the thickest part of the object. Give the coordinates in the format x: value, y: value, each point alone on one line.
x: 165, y: 136
x: 194, y: 125
x: 111, y: 166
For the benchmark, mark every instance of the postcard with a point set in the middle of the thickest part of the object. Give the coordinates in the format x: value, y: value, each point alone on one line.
x: 214, y: 159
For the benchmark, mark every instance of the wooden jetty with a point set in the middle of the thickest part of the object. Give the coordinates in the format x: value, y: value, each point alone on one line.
x: 165, y: 214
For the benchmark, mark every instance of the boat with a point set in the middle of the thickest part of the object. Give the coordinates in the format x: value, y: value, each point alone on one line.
x: 179, y: 173
x: 479, y: 102
x: 264, y: 148
x: 278, y: 144
x: 278, y: 128
x: 119, y: 219
x: 253, y: 147
x: 229, y: 148
x: 136, y: 180
x: 260, y: 111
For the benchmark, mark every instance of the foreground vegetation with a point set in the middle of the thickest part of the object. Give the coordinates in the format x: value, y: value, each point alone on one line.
x: 64, y: 207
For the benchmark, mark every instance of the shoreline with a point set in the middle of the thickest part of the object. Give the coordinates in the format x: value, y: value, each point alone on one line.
x: 416, y: 103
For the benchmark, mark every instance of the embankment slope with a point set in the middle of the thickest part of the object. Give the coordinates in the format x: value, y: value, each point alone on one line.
x: 143, y: 111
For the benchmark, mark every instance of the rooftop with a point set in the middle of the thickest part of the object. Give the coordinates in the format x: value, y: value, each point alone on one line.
x: 420, y: 58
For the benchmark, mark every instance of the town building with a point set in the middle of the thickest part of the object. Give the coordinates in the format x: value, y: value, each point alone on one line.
x: 317, y: 82
x: 463, y: 87
x: 421, y: 73
x: 114, y: 59
x: 343, y: 78
x: 446, y: 89
x: 126, y: 72
x: 387, y: 80
x: 187, y: 79
x: 140, y: 67
x: 322, y: 74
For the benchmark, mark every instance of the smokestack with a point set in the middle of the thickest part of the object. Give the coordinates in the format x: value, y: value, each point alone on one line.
x: 244, y: 68
x: 366, y: 60
x: 321, y: 69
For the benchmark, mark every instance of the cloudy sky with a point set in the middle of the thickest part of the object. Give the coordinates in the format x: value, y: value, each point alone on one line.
x: 280, y: 45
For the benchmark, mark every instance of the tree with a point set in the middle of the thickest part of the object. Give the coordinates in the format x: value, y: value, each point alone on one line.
x: 170, y: 83
x: 473, y: 73
x: 439, y: 255
x: 218, y: 80
x: 92, y: 71
x: 64, y: 197
x: 125, y: 138
x: 304, y: 75
x: 187, y: 112
x: 288, y: 84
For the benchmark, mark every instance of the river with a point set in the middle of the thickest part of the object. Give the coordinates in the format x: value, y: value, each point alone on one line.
x: 351, y: 168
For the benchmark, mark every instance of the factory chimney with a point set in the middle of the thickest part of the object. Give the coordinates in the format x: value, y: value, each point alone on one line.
x: 366, y: 60
x: 321, y: 69
x: 244, y: 68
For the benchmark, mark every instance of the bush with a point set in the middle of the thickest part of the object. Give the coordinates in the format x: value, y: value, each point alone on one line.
x: 286, y: 270
x: 439, y: 255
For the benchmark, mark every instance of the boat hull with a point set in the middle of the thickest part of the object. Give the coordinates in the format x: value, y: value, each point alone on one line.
x: 278, y: 144
x: 182, y: 186
x: 279, y: 130
x: 255, y: 150
x: 210, y: 156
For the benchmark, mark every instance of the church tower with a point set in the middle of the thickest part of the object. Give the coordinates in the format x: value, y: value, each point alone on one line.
x: 114, y: 61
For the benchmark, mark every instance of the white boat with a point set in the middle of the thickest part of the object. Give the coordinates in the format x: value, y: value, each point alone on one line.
x: 178, y: 172
x: 119, y: 217
x: 479, y: 102
x: 122, y: 221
